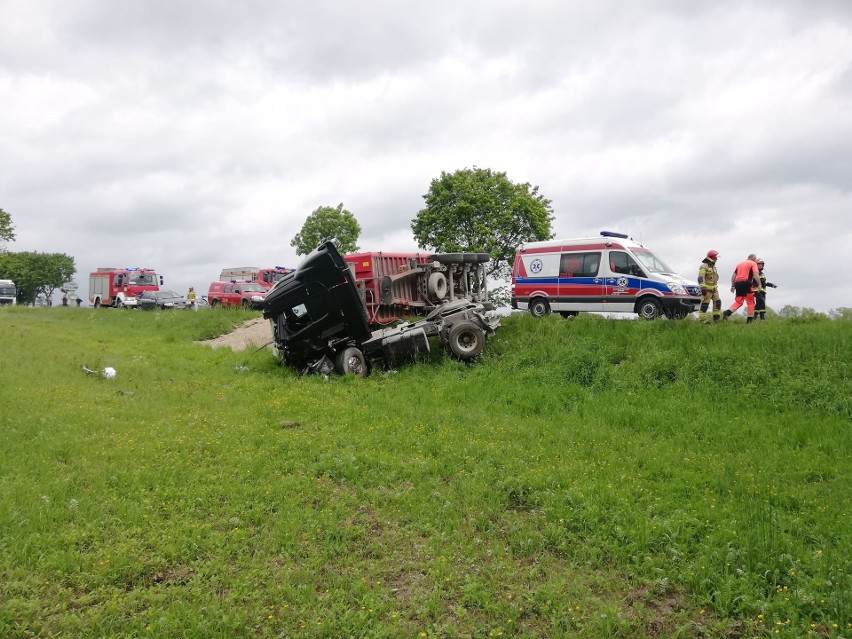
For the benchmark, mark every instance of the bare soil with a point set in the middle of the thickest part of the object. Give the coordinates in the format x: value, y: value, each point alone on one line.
x: 252, y: 334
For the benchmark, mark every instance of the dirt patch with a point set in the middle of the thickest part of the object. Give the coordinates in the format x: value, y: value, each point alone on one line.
x: 255, y: 333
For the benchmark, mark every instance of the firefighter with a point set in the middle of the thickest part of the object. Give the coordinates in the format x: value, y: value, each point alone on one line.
x: 760, y: 293
x: 743, y: 280
x: 191, y: 297
x: 708, y: 280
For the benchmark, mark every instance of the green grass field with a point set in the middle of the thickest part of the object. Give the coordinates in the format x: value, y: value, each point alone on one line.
x: 585, y: 478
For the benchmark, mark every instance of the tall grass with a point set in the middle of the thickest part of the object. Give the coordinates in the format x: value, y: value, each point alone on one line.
x: 585, y: 478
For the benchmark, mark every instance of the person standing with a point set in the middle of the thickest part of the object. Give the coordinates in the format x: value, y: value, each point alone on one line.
x: 760, y: 293
x: 64, y: 299
x: 745, y: 277
x: 191, y: 297
x: 708, y: 280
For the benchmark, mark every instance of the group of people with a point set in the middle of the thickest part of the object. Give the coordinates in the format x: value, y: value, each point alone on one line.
x: 748, y: 283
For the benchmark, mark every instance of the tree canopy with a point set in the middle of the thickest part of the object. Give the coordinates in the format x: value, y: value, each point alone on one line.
x: 7, y: 230
x: 35, y: 273
x: 328, y: 223
x: 477, y: 210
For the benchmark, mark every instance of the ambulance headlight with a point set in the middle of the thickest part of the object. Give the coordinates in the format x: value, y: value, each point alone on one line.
x: 677, y: 289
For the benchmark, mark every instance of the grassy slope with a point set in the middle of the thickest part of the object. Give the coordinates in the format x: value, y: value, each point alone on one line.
x: 586, y: 478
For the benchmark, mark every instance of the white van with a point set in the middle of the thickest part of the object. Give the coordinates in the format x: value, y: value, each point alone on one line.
x: 8, y: 292
x: 608, y: 274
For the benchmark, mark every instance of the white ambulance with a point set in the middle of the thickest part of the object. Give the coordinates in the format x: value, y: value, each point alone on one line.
x: 607, y: 274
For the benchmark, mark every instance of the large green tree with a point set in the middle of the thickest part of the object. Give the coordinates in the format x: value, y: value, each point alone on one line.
x: 328, y: 223
x: 35, y: 273
x: 7, y: 230
x: 478, y: 210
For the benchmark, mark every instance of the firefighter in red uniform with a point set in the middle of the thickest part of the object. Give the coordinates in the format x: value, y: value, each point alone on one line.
x: 708, y: 280
x: 745, y: 277
x: 760, y: 293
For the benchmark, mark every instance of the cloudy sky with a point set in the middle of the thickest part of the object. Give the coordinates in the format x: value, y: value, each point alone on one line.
x: 191, y: 136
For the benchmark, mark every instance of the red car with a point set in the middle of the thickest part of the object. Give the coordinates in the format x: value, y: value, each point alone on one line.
x: 245, y: 294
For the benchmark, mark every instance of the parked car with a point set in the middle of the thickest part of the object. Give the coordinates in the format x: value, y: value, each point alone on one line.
x: 201, y: 304
x: 150, y: 300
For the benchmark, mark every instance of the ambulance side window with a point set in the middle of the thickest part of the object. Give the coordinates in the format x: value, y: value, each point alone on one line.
x: 620, y: 262
x: 579, y: 264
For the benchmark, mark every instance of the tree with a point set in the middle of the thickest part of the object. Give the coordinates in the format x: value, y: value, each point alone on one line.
x: 328, y: 223
x: 478, y: 211
x: 7, y: 230
x: 35, y: 273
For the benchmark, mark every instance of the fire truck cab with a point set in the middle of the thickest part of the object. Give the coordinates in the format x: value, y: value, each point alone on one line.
x: 121, y: 287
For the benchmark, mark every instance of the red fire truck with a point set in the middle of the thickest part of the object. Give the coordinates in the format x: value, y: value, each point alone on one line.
x: 120, y: 287
x: 266, y: 277
x: 395, y: 285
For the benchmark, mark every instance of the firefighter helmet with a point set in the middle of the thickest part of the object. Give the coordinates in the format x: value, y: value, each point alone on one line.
x: 760, y: 260
x: 712, y: 254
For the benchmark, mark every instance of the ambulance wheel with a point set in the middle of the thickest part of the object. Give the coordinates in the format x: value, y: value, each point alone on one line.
x: 649, y: 309
x: 539, y: 307
x: 350, y: 361
x: 466, y: 340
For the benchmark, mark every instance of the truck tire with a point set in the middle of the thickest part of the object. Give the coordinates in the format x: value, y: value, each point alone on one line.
x: 437, y: 286
x: 97, y: 303
x: 539, y: 307
x: 466, y: 340
x: 350, y: 361
x: 214, y: 303
x: 245, y: 304
x: 648, y: 308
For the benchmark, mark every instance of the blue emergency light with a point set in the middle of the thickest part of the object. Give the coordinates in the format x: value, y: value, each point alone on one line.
x: 623, y: 236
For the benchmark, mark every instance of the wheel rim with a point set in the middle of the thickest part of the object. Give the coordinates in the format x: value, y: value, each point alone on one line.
x: 468, y: 341
x: 354, y: 364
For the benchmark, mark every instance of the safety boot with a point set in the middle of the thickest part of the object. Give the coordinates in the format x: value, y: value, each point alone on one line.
x: 749, y: 320
x: 716, y: 317
x: 726, y: 314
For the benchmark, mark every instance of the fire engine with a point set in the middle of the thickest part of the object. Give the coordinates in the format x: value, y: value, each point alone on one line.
x: 120, y: 287
x: 266, y: 277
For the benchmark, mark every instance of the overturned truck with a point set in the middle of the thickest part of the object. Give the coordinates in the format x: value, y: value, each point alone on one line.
x: 320, y: 322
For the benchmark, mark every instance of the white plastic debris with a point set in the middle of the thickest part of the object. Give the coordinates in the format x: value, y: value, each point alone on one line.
x: 109, y: 372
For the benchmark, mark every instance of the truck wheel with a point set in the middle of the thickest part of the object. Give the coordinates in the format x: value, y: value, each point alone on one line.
x: 97, y: 302
x: 437, y: 286
x: 245, y: 304
x: 466, y: 340
x: 118, y: 302
x: 449, y: 258
x: 649, y: 309
x: 214, y: 304
x: 350, y: 361
x: 539, y: 307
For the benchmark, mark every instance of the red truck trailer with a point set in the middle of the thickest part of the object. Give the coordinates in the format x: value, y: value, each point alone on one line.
x: 266, y: 277
x: 395, y: 285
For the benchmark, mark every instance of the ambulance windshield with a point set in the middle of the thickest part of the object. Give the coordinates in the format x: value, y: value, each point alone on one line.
x: 142, y: 279
x: 651, y: 262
